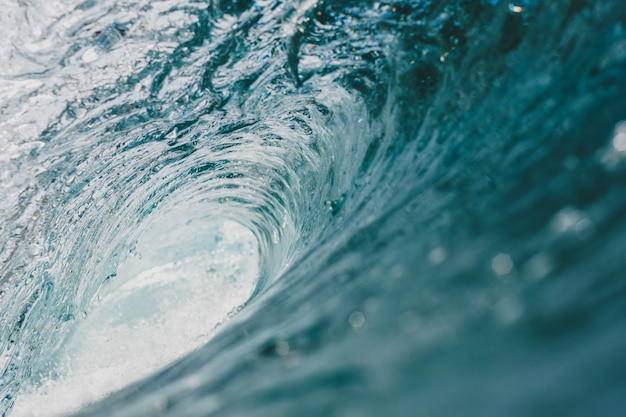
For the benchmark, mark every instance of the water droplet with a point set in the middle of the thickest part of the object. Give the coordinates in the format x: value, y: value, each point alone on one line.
x: 614, y: 154
x: 335, y: 205
x: 437, y: 255
x: 571, y: 220
x: 539, y: 266
x: 502, y: 264
x: 356, y: 320
x: 619, y: 137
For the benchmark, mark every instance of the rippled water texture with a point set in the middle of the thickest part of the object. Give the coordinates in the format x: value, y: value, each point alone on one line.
x: 303, y: 208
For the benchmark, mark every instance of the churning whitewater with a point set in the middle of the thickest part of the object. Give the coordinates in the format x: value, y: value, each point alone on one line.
x: 312, y: 208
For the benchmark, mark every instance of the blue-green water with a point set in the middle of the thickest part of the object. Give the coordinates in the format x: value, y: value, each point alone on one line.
x: 303, y: 208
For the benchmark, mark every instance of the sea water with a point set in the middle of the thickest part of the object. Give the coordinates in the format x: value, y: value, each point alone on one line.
x: 349, y: 208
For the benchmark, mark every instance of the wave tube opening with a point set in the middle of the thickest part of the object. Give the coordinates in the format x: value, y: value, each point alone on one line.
x: 185, y: 275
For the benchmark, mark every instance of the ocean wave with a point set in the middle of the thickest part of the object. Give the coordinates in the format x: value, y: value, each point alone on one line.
x: 304, y: 208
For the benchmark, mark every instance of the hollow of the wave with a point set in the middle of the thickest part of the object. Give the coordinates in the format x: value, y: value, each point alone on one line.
x: 181, y: 280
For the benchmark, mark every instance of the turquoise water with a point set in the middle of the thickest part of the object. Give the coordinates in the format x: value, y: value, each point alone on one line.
x: 310, y: 208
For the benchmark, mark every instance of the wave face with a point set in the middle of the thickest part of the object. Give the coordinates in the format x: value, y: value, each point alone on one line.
x: 312, y: 208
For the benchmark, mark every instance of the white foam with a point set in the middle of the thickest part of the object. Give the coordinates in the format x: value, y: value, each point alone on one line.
x: 153, y: 312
